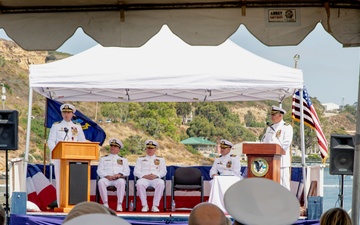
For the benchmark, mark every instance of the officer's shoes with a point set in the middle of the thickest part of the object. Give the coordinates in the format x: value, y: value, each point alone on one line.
x: 106, y: 204
x: 145, y: 208
x: 119, y: 207
x: 155, y: 209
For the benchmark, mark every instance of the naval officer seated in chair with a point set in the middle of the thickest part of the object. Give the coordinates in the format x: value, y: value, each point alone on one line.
x: 112, y: 170
x: 226, y: 163
x: 150, y: 169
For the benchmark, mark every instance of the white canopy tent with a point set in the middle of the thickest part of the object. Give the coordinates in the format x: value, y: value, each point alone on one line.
x: 46, y: 25
x: 165, y: 69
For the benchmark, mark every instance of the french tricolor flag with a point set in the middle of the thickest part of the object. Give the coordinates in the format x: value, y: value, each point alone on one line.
x: 39, y: 189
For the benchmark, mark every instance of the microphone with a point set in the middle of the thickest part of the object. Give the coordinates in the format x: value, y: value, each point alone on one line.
x: 269, y: 125
x: 66, y: 132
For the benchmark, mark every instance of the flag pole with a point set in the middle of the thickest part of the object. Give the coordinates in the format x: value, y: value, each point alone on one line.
x: 45, y: 144
x: 45, y: 130
x: 302, y: 136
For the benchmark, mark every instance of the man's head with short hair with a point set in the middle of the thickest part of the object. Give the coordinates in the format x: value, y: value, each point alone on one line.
x: 83, y: 208
x: 207, y: 214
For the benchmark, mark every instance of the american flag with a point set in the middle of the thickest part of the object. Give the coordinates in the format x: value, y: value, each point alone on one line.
x: 310, y: 119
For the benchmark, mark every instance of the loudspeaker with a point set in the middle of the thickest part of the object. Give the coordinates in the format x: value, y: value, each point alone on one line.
x: 341, y: 155
x: 8, y: 129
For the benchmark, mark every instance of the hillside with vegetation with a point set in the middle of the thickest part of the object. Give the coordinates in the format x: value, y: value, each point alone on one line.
x: 133, y: 123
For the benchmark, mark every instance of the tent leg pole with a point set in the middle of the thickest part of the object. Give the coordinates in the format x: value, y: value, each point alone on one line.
x: 27, y: 146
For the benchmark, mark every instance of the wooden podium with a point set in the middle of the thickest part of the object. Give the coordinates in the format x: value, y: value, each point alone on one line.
x: 75, y: 159
x: 264, y: 160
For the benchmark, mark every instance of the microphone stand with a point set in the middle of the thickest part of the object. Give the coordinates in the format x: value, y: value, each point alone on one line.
x: 66, y: 132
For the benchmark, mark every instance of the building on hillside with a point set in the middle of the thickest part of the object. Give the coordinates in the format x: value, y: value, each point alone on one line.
x: 189, y: 118
x: 330, y: 107
x: 201, y: 144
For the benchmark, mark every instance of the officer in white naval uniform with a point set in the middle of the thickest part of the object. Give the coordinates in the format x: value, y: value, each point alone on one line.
x: 150, y: 169
x: 226, y: 163
x: 64, y: 130
x: 281, y: 133
x: 112, y: 169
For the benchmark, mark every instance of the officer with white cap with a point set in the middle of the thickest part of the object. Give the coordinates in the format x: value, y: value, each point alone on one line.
x: 280, y: 133
x: 65, y: 130
x: 226, y: 163
x: 112, y: 170
x: 261, y: 201
x: 149, y: 169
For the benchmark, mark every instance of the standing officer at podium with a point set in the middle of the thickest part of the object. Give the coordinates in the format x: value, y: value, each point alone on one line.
x: 150, y: 169
x: 226, y: 163
x: 112, y: 170
x: 65, y: 130
x: 280, y: 133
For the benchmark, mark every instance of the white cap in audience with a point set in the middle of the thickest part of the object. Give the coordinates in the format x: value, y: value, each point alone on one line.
x: 261, y: 201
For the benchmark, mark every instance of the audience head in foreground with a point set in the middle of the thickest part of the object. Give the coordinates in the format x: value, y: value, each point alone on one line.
x: 207, y: 214
x: 97, y: 219
x: 335, y: 216
x: 2, y: 216
x: 260, y: 201
x: 83, y: 208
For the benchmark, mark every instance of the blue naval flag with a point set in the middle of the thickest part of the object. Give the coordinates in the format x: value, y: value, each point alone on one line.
x: 93, y: 132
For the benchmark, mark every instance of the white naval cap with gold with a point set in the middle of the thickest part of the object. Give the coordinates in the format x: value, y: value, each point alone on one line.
x: 116, y: 142
x: 151, y: 144
x: 225, y: 144
x: 276, y: 109
x: 67, y: 108
x: 96, y: 218
x: 261, y: 201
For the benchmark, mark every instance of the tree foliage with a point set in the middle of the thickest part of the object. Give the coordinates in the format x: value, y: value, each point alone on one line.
x: 215, y: 121
x: 133, y: 145
x: 349, y: 109
x: 183, y: 109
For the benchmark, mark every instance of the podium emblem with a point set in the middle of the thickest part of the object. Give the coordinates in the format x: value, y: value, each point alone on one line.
x: 259, y: 167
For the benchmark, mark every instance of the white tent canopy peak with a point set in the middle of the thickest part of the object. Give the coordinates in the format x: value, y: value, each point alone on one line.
x: 165, y: 69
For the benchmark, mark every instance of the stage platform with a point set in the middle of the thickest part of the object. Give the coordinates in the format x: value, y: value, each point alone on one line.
x: 135, y: 218
x: 185, y: 199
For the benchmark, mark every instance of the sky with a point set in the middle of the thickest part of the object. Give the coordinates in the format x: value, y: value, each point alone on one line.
x: 331, y: 72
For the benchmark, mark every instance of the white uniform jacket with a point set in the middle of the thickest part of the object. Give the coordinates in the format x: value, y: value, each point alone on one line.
x: 226, y: 165
x: 58, y: 133
x: 280, y: 133
x: 113, y: 164
x: 150, y: 165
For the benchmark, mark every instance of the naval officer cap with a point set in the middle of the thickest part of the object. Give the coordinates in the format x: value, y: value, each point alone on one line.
x: 261, y: 201
x: 97, y: 218
x: 151, y: 144
x: 225, y: 144
x: 67, y: 108
x: 276, y: 109
x: 116, y: 142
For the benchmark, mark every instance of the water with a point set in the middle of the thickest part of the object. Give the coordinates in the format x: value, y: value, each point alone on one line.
x: 332, y: 190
